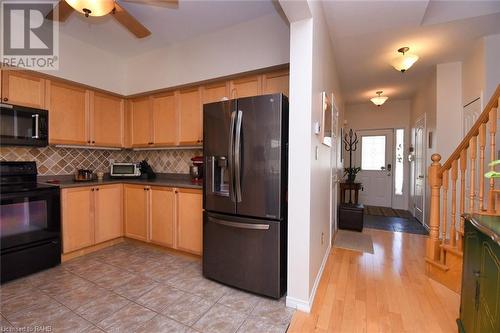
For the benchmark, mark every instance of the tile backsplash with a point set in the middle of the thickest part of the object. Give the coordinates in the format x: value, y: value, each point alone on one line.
x: 64, y: 161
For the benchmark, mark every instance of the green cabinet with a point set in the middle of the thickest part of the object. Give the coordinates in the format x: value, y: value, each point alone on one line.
x: 480, y: 298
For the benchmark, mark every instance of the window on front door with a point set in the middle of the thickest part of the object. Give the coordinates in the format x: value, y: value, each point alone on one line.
x: 373, y: 152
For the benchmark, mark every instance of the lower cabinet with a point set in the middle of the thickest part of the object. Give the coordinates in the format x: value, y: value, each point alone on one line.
x: 162, y: 216
x: 189, y: 220
x: 165, y: 216
x: 91, y: 215
x: 136, y: 211
x: 480, y: 295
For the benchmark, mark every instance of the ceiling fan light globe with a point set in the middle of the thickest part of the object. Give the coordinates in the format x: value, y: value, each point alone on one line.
x: 404, y: 61
x: 92, y: 7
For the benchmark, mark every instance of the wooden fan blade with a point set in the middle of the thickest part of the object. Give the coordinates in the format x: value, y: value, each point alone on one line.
x: 160, y: 3
x: 64, y: 10
x: 129, y: 22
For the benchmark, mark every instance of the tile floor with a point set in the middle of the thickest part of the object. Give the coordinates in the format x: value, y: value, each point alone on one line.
x: 134, y: 288
x: 397, y: 224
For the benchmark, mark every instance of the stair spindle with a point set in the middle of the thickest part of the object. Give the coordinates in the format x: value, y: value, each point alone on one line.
x: 472, y: 185
x: 492, y: 125
x: 482, y: 146
x: 454, y: 177
x: 445, y: 214
x: 463, y: 169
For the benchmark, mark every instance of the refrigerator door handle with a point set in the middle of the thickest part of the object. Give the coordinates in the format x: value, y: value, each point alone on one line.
x: 240, y: 225
x: 237, y: 156
x: 230, y: 157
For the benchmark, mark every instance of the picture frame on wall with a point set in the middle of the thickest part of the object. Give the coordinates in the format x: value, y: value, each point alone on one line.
x: 326, y: 120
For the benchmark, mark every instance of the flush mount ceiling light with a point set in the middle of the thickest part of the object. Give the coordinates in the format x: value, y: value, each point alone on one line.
x: 92, y: 7
x: 404, y: 60
x: 379, y: 100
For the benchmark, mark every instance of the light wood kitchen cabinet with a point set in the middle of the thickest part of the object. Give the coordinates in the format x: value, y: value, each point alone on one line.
x: 23, y: 89
x: 108, y: 212
x: 77, y: 218
x: 91, y: 215
x: 68, y: 113
x: 162, y: 216
x: 136, y: 211
x: 275, y: 82
x: 141, y: 118
x: 246, y: 86
x: 189, y: 220
x: 166, y: 216
x: 164, y: 119
x: 106, y: 120
x: 215, y: 92
x: 190, y: 117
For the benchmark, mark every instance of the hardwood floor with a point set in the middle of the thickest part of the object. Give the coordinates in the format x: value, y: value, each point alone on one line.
x: 383, y: 292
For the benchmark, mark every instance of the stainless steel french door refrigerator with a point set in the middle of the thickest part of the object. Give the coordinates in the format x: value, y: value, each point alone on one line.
x: 245, y: 193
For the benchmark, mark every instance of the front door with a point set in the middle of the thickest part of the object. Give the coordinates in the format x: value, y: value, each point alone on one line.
x: 375, y: 156
x: 419, y: 170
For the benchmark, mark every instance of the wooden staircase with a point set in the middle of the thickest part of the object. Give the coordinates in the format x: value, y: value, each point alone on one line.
x: 451, y: 197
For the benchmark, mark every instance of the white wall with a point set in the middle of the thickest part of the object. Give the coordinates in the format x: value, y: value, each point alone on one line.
x: 473, y: 80
x: 312, y: 71
x: 393, y: 114
x: 448, y: 107
x: 251, y: 45
x: 491, y: 64
x: 86, y: 64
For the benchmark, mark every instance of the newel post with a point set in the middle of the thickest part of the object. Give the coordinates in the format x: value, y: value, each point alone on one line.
x: 435, y: 182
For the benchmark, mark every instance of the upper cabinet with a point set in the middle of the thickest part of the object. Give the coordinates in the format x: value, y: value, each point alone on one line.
x: 81, y: 116
x: 141, y: 122
x: 275, y: 82
x: 215, y: 92
x: 68, y: 113
x: 190, y: 117
x: 246, y: 86
x: 165, y: 119
x: 20, y: 88
x: 106, y: 120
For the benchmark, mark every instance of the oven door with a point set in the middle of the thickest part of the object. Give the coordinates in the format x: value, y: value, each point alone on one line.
x: 29, y: 217
x: 22, y: 126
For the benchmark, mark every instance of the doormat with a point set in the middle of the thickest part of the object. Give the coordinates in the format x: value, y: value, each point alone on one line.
x: 387, y: 211
x: 354, y: 241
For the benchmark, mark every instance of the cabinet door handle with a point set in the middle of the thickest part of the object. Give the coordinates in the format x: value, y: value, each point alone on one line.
x: 5, y: 99
x: 97, y: 188
x: 93, y: 189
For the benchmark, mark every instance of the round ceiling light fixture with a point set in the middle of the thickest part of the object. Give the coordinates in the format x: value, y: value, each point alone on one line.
x: 379, y: 99
x: 404, y: 60
x: 92, y: 7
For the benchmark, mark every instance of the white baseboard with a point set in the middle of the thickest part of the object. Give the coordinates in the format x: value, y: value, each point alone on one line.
x: 306, y: 306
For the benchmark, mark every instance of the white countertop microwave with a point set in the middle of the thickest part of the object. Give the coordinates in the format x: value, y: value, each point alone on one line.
x: 125, y: 170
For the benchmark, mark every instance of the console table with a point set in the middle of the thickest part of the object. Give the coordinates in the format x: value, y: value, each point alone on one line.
x: 346, y: 186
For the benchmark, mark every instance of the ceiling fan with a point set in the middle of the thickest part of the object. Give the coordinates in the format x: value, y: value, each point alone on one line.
x: 108, y: 7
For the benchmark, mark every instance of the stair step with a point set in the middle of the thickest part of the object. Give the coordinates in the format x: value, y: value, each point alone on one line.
x: 437, y: 264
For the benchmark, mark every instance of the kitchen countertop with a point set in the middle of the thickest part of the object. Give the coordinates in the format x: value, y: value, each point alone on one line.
x: 162, y: 179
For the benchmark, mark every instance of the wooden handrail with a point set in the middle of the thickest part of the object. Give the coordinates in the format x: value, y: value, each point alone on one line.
x: 483, y: 118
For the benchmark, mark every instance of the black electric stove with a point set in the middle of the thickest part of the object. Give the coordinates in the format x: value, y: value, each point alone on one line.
x: 30, y: 221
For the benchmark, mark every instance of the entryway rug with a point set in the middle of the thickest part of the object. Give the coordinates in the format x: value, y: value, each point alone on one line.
x: 352, y: 240
x: 387, y: 211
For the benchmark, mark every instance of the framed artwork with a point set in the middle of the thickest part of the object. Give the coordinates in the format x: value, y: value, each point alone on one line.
x: 326, y: 120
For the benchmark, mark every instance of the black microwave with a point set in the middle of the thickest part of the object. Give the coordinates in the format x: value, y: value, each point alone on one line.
x: 23, y: 126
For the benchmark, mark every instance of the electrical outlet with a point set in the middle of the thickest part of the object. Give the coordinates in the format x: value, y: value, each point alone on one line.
x: 322, y: 238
